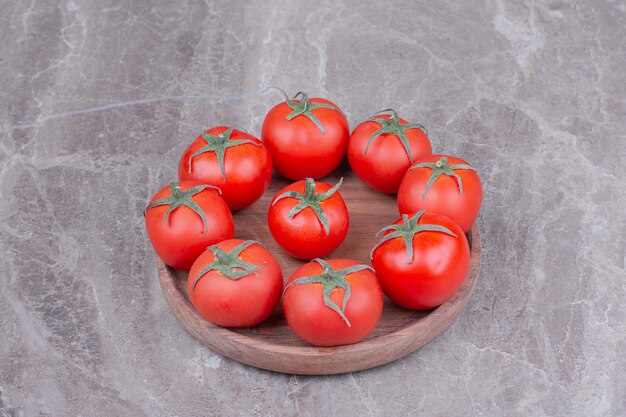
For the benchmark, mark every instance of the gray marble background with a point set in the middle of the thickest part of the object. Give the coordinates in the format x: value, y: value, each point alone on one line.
x: 98, y: 98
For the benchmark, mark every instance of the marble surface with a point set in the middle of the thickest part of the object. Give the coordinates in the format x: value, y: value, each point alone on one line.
x: 99, y: 98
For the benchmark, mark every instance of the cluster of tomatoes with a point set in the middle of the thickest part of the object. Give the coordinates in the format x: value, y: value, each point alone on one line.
x: 419, y: 261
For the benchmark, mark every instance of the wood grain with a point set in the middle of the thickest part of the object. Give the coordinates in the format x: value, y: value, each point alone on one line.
x: 272, y: 345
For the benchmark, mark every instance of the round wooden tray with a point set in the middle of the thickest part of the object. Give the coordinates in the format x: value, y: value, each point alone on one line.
x: 272, y: 345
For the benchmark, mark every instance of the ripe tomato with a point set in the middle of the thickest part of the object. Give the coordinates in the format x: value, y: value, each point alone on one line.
x: 308, y: 219
x: 383, y: 147
x: 421, y: 260
x: 334, y: 302
x: 235, y: 283
x: 306, y: 137
x: 184, y: 218
x: 442, y: 184
x: 236, y: 162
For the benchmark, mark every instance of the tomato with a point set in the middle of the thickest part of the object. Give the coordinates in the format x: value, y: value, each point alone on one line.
x: 421, y: 260
x: 442, y: 184
x: 236, y: 162
x: 308, y: 219
x: 306, y: 137
x: 334, y: 302
x: 383, y: 147
x: 184, y: 218
x: 235, y: 283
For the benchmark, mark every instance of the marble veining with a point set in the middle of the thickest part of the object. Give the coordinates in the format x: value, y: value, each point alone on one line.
x: 99, y: 98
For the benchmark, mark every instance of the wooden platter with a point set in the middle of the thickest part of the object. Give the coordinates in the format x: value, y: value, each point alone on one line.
x: 272, y: 345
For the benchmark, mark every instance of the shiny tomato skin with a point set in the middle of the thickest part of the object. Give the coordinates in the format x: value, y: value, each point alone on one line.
x: 303, y: 236
x: 248, y: 168
x: 439, y: 267
x: 386, y: 160
x: 443, y: 196
x: 179, y: 242
x: 244, y: 302
x: 316, y: 323
x: 298, y: 147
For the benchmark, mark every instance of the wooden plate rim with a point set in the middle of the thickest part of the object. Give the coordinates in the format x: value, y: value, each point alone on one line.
x: 445, y: 312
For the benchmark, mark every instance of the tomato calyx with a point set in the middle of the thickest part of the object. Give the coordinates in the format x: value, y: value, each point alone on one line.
x: 228, y: 263
x: 332, y: 279
x: 441, y: 167
x: 407, y: 230
x: 394, y: 127
x: 180, y: 198
x: 304, y: 107
x: 311, y: 200
x: 218, y: 144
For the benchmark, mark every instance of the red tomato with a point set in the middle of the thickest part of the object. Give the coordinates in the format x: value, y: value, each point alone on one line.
x: 383, y: 147
x: 236, y: 162
x: 334, y: 302
x: 308, y: 219
x: 184, y: 218
x: 307, y: 137
x: 421, y: 260
x: 235, y: 283
x: 442, y: 184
